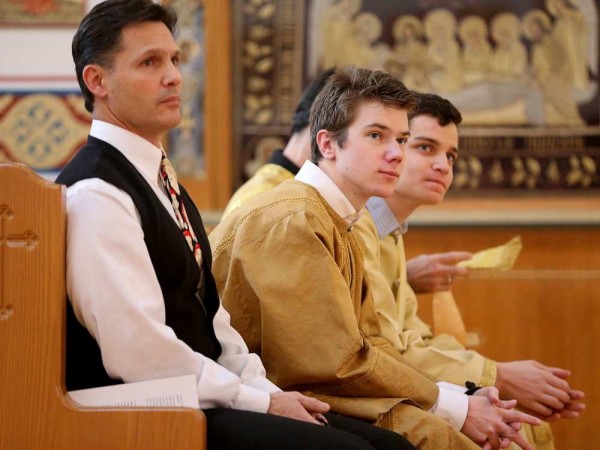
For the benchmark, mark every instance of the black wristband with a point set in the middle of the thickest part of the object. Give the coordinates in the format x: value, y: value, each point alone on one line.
x: 471, y: 388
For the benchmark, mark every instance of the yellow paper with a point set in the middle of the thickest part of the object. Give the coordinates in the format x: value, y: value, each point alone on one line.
x: 502, y: 257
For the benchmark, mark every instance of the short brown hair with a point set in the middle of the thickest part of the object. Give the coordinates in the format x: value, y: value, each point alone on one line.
x: 337, y: 104
x: 437, y: 107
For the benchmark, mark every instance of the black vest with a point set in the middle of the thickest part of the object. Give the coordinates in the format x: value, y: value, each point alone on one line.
x: 174, y: 264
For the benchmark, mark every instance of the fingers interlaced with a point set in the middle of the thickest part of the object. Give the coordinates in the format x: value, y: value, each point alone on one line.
x: 313, y: 405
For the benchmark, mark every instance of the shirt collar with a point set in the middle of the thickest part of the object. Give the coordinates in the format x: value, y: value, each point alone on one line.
x: 142, y: 154
x: 384, y: 218
x: 312, y: 175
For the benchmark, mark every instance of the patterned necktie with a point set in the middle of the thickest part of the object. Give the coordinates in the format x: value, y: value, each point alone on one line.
x: 169, y: 179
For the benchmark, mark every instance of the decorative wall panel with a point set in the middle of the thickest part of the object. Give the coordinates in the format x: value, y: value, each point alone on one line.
x: 523, y: 73
x: 268, y: 77
x: 42, y: 130
x: 41, y: 12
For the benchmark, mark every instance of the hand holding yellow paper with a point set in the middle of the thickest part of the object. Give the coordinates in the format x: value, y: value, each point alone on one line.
x: 502, y: 257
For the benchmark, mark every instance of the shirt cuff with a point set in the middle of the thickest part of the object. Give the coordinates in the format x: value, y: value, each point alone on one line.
x: 263, y: 384
x: 252, y: 399
x: 451, y: 387
x: 451, y: 405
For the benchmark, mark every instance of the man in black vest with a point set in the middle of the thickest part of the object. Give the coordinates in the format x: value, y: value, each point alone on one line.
x: 142, y: 300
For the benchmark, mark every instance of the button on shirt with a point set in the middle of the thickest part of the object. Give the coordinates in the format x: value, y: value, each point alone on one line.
x: 452, y: 404
x: 116, y: 295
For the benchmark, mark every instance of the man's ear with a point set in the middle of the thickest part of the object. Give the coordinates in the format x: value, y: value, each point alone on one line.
x: 93, y: 77
x: 327, y: 145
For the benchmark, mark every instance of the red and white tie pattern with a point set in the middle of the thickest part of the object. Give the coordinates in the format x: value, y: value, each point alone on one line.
x: 169, y: 179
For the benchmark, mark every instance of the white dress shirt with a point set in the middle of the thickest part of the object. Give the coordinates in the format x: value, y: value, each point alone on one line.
x: 115, y: 293
x: 452, y: 404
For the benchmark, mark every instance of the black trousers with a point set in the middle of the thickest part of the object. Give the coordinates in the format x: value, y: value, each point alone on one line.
x: 245, y: 430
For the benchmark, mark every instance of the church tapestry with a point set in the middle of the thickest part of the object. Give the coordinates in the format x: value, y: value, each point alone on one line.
x: 524, y: 74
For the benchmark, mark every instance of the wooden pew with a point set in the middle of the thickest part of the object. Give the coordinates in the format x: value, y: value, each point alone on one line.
x: 546, y: 308
x: 35, y: 412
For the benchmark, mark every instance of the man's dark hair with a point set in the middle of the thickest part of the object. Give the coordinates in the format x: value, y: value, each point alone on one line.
x: 98, y: 37
x: 337, y: 104
x: 437, y: 107
x: 302, y: 112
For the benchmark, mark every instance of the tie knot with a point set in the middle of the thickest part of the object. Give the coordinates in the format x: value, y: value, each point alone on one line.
x: 168, y: 174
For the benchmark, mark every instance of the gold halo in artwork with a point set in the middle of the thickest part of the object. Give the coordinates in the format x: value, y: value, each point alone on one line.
x: 505, y: 25
x: 368, y: 26
x: 439, y: 22
x: 404, y: 23
x: 532, y: 18
x: 472, y: 25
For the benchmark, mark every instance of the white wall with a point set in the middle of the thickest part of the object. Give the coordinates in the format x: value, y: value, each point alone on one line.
x: 38, y: 58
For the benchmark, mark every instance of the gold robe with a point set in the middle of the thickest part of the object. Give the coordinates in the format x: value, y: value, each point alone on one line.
x: 290, y: 273
x: 442, y: 357
x: 265, y: 179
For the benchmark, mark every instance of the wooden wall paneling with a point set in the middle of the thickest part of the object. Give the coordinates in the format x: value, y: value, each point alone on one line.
x: 547, y: 308
x: 219, y: 129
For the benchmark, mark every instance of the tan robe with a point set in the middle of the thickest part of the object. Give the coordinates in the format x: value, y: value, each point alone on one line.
x: 265, y: 179
x: 441, y: 357
x: 290, y: 273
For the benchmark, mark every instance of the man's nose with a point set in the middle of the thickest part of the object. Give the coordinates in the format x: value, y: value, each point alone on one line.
x: 173, y: 75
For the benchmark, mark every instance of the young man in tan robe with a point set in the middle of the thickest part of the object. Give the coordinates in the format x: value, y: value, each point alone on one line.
x: 289, y: 270
x: 430, y: 153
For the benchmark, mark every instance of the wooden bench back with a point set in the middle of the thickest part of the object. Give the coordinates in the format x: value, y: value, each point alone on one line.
x: 35, y: 413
